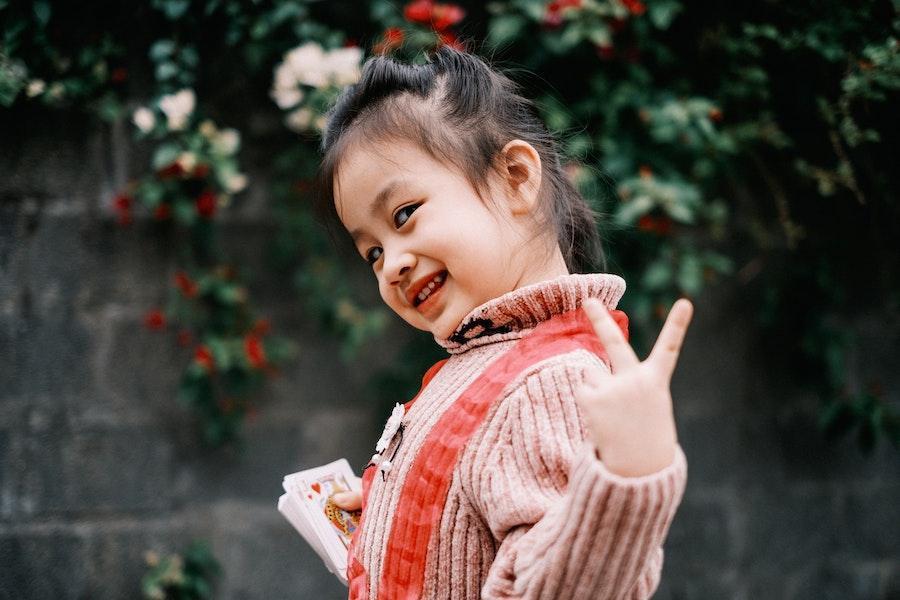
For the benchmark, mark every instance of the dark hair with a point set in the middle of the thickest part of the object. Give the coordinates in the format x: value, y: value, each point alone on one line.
x: 458, y: 109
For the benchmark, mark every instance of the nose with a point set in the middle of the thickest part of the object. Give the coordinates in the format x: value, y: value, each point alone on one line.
x: 396, y: 267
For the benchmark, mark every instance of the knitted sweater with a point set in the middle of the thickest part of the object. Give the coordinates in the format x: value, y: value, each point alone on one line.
x: 529, y: 510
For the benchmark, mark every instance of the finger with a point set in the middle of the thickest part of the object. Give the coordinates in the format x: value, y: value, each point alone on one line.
x: 620, y: 353
x: 668, y: 345
x: 348, y: 500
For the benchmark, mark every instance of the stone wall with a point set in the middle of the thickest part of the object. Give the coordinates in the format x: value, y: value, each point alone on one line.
x: 99, y: 464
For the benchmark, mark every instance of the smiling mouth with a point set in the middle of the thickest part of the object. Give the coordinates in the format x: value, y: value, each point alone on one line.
x: 429, y: 287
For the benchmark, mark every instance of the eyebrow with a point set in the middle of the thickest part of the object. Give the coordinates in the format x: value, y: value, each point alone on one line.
x: 378, y: 204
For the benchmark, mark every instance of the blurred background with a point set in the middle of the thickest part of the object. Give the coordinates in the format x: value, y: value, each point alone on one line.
x: 178, y: 331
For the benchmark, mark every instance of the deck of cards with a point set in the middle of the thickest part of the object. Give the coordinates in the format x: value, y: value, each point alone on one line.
x: 307, y: 505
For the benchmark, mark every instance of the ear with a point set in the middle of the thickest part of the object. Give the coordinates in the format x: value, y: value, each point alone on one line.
x: 520, y: 168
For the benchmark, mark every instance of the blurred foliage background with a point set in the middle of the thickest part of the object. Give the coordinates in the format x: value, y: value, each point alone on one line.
x: 753, y: 141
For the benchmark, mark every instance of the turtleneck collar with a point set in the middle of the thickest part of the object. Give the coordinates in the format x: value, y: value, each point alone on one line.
x: 515, y: 313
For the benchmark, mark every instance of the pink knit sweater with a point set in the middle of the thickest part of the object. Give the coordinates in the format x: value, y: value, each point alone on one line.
x: 530, y: 511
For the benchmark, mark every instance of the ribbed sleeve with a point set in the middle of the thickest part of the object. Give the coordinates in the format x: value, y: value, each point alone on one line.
x: 566, y: 526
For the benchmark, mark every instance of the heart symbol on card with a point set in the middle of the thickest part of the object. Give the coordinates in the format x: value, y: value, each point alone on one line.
x: 317, y: 488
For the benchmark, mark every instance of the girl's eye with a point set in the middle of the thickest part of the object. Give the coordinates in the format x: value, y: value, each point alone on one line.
x: 402, y: 215
x: 373, y: 254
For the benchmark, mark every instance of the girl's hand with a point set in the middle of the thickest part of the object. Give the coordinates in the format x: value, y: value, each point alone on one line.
x: 629, y: 413
x: 348, y: 500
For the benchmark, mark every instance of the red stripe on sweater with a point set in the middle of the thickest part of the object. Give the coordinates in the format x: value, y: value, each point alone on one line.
x: 424, y: 491
x: 357, y: 578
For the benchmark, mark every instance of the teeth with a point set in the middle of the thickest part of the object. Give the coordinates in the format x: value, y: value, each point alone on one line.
x: 426, y: 291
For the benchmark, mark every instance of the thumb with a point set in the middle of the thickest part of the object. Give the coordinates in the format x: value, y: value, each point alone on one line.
x: 348, y: 500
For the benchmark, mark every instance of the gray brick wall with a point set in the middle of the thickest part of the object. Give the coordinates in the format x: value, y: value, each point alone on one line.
x: 98, y: 464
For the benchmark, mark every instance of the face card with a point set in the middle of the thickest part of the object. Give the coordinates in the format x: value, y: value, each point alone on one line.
x: 333, y: 526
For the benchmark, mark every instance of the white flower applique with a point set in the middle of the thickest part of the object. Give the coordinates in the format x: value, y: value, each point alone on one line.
x: 394, y: 424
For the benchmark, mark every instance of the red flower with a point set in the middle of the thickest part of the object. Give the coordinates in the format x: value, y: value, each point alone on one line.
x: 617, y: 25
x: 439, y: 16
x: 715, y: 115
x: 122, y: 202
x: 171, y: 171
x: 444, y: 16
x: 553, y: 12
x: 391, y: 38
x: 645, y: 172
x: 185, y: 338
x: 162, y: 212
x: 200, y: 171
x: 551, y: 20
x: 448, y: 38
x: 262, y: 327
x: 184, y: 283
x: 635, y: 7
x: 350, y: 43
x: 118, y: 75
x: 204, y: 358
x: 155, y: 319
x: 657, y: 225
x: 418, y: 11
x: 633, y: 55
x: 122, y: 205
x: 606, y: 52
x: 253, y: 349
x: 206, y: 204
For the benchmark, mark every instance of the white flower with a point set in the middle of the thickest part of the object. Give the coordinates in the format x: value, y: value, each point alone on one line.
x: 187, y: 161
x: 227, y: 141
x: 391, y: 428
x: 35, y: 87
x: 236, y: 182
x: 343, y: 65
x: 144, y: 119
x: 308, y: 64
x: 286, y: 97
x: 56, y: 91
x: 300, y: 119
x: 321, y: 122
x: 207, y: 129
x: 284, y: 77
x: 177, y: 108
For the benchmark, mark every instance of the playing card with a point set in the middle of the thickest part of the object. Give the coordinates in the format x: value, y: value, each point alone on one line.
x: 307, y: 506
x: 334, y: 525
x: 298, y: 517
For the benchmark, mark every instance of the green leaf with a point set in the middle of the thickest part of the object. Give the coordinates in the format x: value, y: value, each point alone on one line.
x: 161, y: 50
x: 505, y: 28
x: 166, y: 70
x: 185, y: 212
x: 657, y: 276
x: 629, y: 212
x: 662, y: 12
x: 221, y: 353
x: 42, y: 12
x: 690, y: 275
x: 175, y: 9
x: 165, y: 155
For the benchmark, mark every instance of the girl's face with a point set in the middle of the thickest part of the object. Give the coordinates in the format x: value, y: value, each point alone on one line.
x: 437, y: 250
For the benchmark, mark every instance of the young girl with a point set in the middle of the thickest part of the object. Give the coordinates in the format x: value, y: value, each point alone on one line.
x: 540, y: 459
